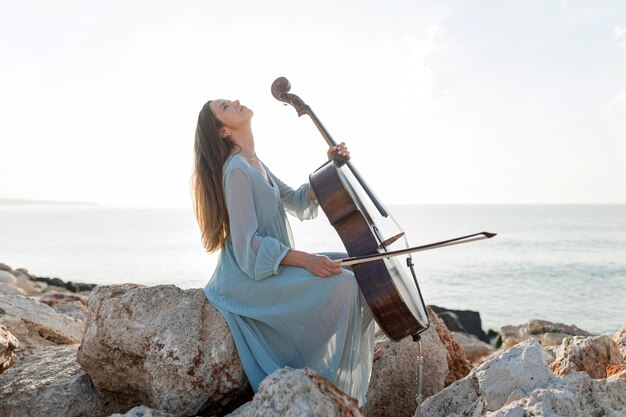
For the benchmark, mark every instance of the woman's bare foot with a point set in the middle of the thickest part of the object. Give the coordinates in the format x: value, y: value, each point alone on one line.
x: 378, y: 352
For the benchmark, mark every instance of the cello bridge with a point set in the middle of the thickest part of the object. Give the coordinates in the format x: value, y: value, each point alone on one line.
x: 392, y: 239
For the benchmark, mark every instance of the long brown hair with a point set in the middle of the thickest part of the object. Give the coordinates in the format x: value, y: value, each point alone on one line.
x: 210, y: 153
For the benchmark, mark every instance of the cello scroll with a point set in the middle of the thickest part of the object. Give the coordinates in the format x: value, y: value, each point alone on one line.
x: 280, y: 91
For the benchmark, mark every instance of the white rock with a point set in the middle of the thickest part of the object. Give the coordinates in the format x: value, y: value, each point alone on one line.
x: 298, y: 392
x: 161, y: 346
x: 36, y: 325
x: 519, y: 384
x: 73, y: 305
x: 461, y: 399
x: 504, y: 378
x: 522, y: 367
x: 143, y: 411
x: 25, y: 284
x: 54, y: 289
x: 7, y: 278
x: 547, y: 333
x: 475, y: 349
x: 9, y: 289
x: 50, y: 383
x: 39, y: 287
x: 575, y: 395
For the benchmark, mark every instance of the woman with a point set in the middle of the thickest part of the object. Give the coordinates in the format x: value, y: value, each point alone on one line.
x: 284, y: 307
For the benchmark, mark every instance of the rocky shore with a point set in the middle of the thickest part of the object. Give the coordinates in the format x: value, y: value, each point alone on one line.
x: 131, y: 350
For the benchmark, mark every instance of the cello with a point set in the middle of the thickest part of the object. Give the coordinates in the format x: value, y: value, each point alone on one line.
x: 368, y: 232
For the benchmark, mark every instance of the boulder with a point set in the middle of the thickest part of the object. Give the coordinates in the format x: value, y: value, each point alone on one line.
x: 70, y: 286
x: 5, y: 267
x: 465, y: 321
x: 476, y: 350
x: 575, y: 395
x: 50, y: 383
x: 73, y: 305
x: 9, y: 289
x: 520, y: 383
x: 8, y: 343
x: 74, y: 309
x: 517, y: 370
x: 53, y: 289
x: 588, y: 354
x: 36, y: 325
x: 143, y: 411
x: 393, y: 385
x: 38, y: 288
x: 7, y: 277
x: 298, y: 392
x: 620, y: 340
x: 54, y: 298
x: 547, y: 333
x: 23, y: 272
x: 487, y: 388
x: 162, y: 347
x: 458, y: 365
x: 26, y: 284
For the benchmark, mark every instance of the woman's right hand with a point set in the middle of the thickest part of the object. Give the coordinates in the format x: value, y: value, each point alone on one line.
x: 321, y: 265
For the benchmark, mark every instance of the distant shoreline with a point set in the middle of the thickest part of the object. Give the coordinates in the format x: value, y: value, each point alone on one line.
x: 17, y: 201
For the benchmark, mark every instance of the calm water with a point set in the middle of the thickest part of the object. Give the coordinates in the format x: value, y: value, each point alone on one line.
x: 563, y: 263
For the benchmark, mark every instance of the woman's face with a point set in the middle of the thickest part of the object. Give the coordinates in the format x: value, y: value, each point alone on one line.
x: 231, y: 113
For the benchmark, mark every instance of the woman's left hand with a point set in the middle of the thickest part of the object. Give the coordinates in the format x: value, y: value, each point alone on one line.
x: 341, y: 150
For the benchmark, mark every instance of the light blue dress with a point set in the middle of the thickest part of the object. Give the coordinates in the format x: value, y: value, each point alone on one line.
x: 284, y: 315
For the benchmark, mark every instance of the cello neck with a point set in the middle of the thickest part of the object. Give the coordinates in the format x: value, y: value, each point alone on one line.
x: 280, y: 91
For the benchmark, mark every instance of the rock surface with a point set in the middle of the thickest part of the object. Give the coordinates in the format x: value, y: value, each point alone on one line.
x: 475, y: 350
x: 458, y: 365
x: 36, y: 325
x: 162, y: 347
x: 547, y: 333
x: 488, y: 387
x: 8, y: 343
x: 73, y: 305
x: 50, y: 383
x: 8, y: 289
x: 575, y: 395
x: 616, y: 371
x: 588, y: 354
x: 620, y: 340
x: 298, y: 392
x: 6, y: 277
x: 465, y: 321
x: 143, y: 411
x: 393, y: 385
x: 519, y: 383
x: 70, y: 286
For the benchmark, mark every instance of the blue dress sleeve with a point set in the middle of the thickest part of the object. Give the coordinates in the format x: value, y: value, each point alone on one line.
x: 297, y: 202
x: 257, y: 256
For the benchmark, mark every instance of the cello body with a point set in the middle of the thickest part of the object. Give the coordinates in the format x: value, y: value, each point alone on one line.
x: 389, y: 285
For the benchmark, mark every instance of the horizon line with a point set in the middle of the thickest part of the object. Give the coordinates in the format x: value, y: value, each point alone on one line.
x: 24, y: 201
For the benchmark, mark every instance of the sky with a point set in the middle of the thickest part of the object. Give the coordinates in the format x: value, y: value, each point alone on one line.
x: 439, y: 102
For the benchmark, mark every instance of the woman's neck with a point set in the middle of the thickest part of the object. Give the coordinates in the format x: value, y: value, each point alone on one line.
x: 245, y: 142
x: 248, y: 154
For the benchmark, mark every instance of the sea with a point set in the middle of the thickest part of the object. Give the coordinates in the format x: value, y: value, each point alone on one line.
x: 561, y: 263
